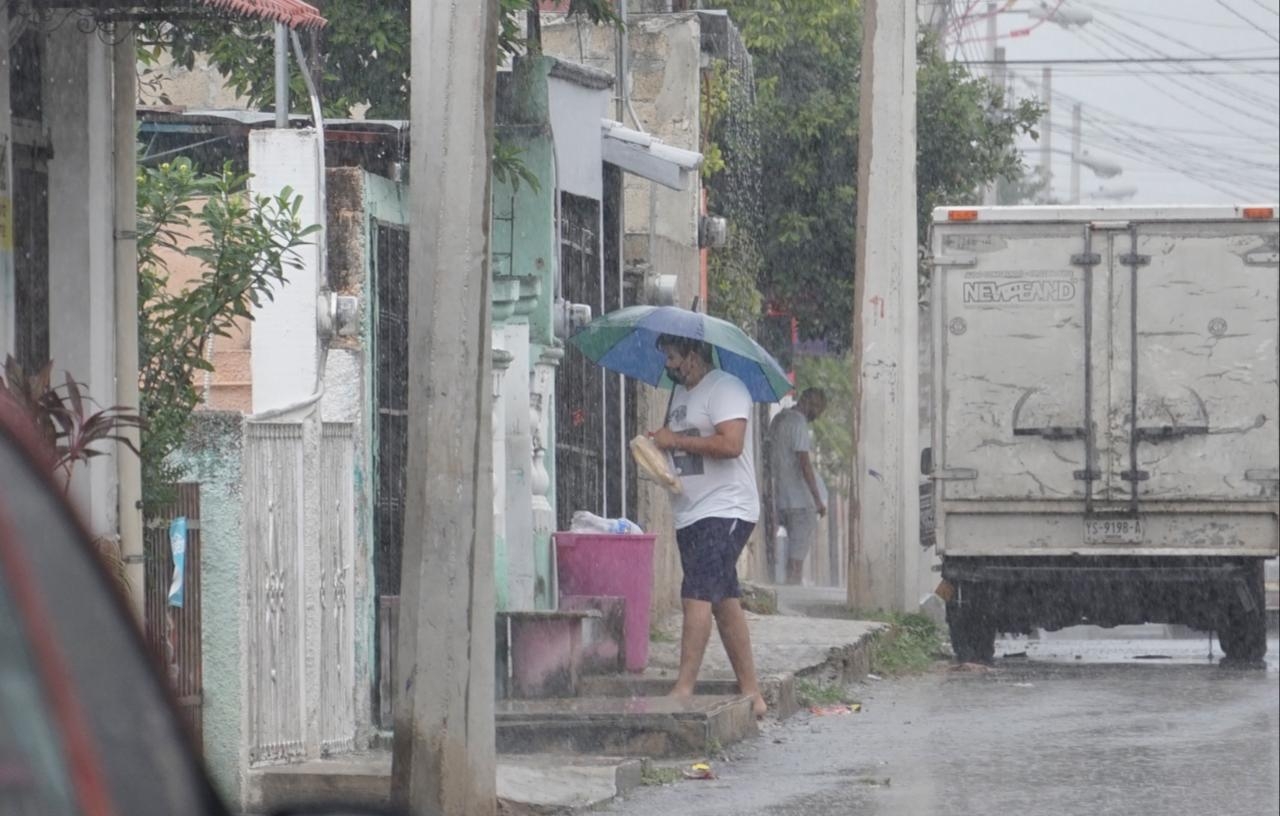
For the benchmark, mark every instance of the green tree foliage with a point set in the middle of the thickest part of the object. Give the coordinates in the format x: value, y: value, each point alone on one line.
x: 807, y: 60
x: 359, y: 60
x: 244, y: 243
x: 731, y: 174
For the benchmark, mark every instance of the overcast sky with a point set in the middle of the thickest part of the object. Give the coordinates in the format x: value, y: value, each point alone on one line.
x: 1183, y: 132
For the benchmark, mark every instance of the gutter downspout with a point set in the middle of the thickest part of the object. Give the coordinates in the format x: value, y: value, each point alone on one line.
x: 282, y: 76
x: 128, y: 465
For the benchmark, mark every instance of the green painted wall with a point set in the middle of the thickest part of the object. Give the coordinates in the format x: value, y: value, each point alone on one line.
x: 525, y: 248
x: 212, y: 457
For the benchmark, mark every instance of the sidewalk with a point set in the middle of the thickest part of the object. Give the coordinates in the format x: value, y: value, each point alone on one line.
x: 810, y: 637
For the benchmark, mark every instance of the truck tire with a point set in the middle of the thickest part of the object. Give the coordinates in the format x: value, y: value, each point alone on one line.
x: 1243, y: 637
x: 973, y: 633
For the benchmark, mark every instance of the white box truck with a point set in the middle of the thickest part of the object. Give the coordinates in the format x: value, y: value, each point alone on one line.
x: 1106, y: 398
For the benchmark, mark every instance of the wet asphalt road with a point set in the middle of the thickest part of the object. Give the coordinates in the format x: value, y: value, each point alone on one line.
x: 1075, y: 727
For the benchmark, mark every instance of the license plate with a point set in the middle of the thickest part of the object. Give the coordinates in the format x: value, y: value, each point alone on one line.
x: 1113, y: 531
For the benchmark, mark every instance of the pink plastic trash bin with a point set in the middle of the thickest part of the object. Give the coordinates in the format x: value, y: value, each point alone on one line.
x: 611, y: 564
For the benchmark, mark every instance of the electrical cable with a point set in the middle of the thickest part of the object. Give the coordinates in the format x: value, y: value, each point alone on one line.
x: 1247, y: 20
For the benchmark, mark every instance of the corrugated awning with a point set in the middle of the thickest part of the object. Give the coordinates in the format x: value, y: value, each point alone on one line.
x: 293, y: 13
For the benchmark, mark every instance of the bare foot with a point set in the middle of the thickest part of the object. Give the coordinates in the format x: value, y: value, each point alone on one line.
x: 759, y: 707
x: 680, y: 694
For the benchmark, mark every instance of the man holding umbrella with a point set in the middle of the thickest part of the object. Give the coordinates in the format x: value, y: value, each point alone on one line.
x: 717, y: 372
x: 707, y: 432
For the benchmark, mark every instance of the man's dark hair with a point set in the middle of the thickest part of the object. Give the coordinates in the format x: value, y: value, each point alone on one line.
x: 686, y: 346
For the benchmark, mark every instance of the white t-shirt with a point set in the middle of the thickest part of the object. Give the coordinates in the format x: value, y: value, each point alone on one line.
x: 713, y: 488
x: 789, y: 434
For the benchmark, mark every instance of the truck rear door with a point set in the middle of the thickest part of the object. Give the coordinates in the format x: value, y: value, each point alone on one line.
x: 1012, y: 374
x: 1194, y: 392
x: 1106, y: 385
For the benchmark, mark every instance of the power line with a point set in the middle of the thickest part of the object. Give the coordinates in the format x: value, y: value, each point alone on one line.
x: 1211, y: 99
x: 1123, y: 60
x: 1103, y: 6
x: 1265, y: 7
x: 1235, y: 90
x: 1247, y: 20
x: 1241, y: 95
x: 1171, y: 152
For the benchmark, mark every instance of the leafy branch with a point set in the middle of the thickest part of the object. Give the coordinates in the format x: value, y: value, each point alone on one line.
x: 244, y: 244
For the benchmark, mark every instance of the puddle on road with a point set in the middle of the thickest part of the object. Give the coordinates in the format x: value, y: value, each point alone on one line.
x: 1141, y: 651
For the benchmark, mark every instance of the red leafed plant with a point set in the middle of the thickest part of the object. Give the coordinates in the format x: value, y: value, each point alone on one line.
x: 64, y: 417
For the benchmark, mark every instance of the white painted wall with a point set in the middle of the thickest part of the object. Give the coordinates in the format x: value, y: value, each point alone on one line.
x: 285, y: 345
x: 77, y: 102
x: 343, y: 386
x: 575, y: 126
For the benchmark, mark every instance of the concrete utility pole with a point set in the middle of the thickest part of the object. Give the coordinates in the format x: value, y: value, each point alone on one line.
x: 1075, y: 153
x: 124, y: 66
x: 443, y: 749
x: 999, y: 79
x: 884, y: 554
x: 1046, y: 132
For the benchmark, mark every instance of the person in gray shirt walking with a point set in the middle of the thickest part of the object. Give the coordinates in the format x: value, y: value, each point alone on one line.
x: 798, y: 495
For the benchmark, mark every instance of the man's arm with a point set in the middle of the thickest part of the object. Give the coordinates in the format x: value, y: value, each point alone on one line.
x: 811, y: 479
x: 726, y: 443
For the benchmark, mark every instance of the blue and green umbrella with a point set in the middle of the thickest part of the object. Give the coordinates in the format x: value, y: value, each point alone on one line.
x: 625, y: 341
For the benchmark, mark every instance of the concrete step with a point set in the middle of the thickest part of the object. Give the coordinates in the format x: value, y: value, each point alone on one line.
x: 652, y: 727
x: 553, y: 784
x: 358, y: 779
x: 538, y: 782
x: 779, y: 690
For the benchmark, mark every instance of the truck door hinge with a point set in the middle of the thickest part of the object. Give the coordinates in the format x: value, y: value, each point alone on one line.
x: 1134, y: 259
x: 939, y: 261
x: 1086, y: 475
x: 1135, y: 475
x: 1262, y: 475
x: 1053, y: 432
x: 1086, y: 259
x: 955, y: 475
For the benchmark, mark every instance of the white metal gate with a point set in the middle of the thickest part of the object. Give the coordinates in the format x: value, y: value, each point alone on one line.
x: 299, y: 549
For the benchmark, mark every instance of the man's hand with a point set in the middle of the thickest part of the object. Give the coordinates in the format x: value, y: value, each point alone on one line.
x: 820, y: 507
x: 664, y: 438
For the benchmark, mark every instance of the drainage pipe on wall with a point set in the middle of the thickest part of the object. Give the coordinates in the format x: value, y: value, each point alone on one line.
x: 125, y: 170
x: 282, y: 76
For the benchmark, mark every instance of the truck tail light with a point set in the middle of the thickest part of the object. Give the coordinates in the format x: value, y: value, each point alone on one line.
x: 1258, y: 212
x: 962, y: 215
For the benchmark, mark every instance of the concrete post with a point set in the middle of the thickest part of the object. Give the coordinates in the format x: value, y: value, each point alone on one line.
x: 999, y: 78
x: 443, y: 750
x: 543, y: 480
x: 1075, y: 153
x: 501, y: 362
x: 885, y: 553
x: 1046, y: 132
x: 521, y: 567
x: 128, y: 466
